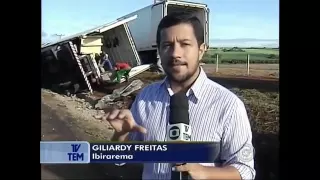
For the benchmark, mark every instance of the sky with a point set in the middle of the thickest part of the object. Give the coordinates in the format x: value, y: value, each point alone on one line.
x: 231, y: 22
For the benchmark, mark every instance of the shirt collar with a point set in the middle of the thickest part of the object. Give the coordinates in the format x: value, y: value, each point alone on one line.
x: 196, y: 88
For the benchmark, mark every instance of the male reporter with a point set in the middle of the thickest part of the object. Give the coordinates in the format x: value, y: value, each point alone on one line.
x: 216, y: 114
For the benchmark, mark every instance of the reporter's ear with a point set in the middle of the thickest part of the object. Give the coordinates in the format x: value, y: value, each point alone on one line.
x: 202, y: 50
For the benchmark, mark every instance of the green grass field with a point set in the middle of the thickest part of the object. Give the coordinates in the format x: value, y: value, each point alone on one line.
x: 239, y: 56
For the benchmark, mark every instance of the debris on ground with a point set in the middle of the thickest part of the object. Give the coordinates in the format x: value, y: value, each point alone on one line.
x: 80, y: 112
x: 117, y: 93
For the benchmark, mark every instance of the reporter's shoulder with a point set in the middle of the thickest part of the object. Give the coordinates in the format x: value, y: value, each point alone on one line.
x: 231, y: 104
x: 229, y: 97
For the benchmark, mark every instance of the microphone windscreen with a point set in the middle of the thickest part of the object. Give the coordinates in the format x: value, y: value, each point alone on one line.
x: 179, y: 100
x: 179, y: 109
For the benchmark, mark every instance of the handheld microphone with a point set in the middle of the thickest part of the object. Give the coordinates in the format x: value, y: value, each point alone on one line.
x: 179, y: 128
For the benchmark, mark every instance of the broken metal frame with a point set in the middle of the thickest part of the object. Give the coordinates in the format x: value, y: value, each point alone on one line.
x: 136, y: 71
x: 76, y: 58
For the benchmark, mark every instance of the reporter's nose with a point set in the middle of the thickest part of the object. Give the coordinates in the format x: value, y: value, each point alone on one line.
x: 176, y: 51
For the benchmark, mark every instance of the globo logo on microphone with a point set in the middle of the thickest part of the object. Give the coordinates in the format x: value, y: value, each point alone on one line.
x: 174, y: 132
x: 179, y: 132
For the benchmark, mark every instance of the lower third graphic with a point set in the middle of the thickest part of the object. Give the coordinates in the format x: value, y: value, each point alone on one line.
x: 64, y: 152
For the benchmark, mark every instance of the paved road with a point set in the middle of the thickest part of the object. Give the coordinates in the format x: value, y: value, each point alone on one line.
x: 54, y: 128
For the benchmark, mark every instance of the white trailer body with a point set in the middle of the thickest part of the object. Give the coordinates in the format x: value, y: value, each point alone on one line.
x: 144, y: 27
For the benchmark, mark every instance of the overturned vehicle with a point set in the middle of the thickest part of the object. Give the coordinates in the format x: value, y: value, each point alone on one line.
x: 72, y: 64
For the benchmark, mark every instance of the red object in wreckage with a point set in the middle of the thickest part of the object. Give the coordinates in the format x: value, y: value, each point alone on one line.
x: 120, y: 66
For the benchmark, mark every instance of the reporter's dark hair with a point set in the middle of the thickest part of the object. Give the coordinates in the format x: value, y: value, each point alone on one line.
x: 179, y: 18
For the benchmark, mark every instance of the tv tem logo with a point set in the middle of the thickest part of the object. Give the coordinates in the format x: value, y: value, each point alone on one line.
x: 174, y: 132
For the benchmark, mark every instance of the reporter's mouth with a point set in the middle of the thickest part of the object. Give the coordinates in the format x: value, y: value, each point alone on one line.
x: 177, y: 67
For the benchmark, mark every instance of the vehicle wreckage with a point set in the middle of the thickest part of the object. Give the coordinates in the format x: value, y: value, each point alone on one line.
x: 71, y: 64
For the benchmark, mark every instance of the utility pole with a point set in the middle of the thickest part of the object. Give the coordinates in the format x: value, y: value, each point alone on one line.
x: 59, y: 35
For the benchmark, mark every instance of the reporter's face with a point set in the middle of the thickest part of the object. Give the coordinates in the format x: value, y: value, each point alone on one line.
x: 179, y: 52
